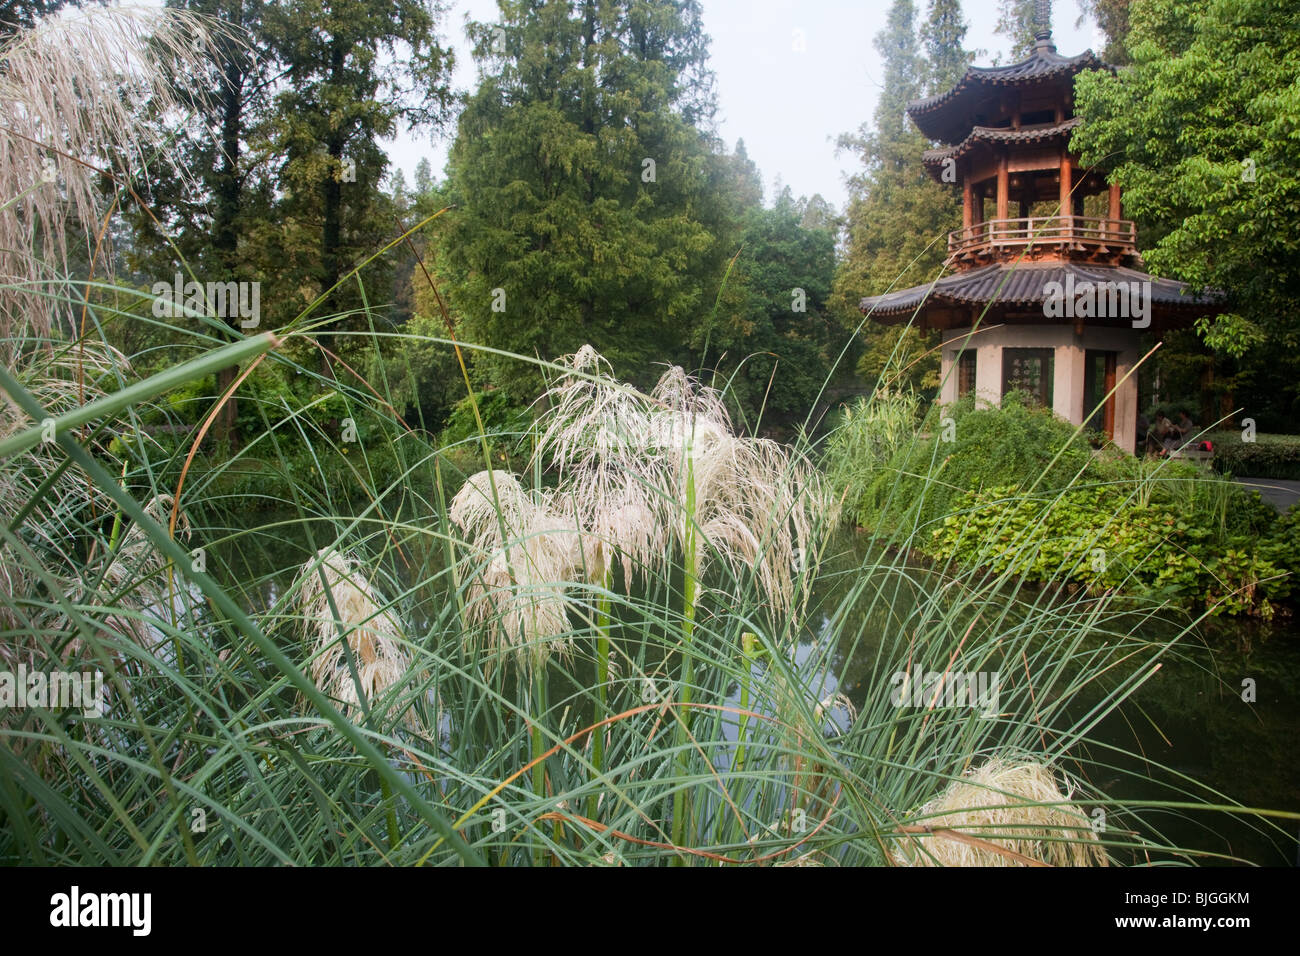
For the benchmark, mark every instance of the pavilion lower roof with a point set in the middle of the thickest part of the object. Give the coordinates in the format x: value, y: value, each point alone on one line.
x: 1043, y: 133
x: 1023, y: 286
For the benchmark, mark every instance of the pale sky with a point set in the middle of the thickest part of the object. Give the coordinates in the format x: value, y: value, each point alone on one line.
x: 787, y: 105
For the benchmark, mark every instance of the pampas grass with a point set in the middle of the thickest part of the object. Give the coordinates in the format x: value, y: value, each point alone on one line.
x: 76, y: 91
x: 1012, y: 804
x: 341, y: 605
x: 522, y: 553
x: 658, y: 487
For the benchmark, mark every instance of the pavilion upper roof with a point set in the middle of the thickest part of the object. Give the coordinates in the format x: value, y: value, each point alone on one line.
x: 949, y: 117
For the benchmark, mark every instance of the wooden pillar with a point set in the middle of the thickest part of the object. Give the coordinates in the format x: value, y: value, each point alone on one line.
x: 1003, y: 187
x: 977, y: 210
x: 1115, y: 213
x: 1065, y: 184
x: 967, y: 205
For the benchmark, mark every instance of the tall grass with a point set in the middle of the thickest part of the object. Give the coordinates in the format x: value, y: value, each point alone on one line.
x: 621, y: 658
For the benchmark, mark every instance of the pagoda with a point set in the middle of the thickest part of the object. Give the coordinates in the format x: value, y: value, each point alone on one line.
x: 1054, y: 304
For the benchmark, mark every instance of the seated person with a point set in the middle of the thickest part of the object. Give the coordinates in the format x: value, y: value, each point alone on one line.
x: 1186, y: 428
x: 1160, y: 437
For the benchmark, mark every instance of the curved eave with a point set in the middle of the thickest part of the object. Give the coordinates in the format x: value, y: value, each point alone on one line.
x: 934, y: 159
x: 1025, y: 286
x: 937, y: 116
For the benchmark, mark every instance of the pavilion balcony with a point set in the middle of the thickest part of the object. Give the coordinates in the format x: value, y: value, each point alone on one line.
x: 1083, y: 238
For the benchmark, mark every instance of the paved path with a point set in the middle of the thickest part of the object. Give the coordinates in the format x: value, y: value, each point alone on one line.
x: 1279, y: 492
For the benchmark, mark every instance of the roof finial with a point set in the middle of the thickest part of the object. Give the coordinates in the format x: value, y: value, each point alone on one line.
x: 1043, y: 25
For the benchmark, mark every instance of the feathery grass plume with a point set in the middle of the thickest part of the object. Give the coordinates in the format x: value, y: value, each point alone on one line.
x: 757, y: 503
x: 1013, y: 804
x: 595, y: 435
x: 372, y: 632
x: 76, y: 89
x: 523, y: 552
x: 137, y: 571
x: 61, y: 379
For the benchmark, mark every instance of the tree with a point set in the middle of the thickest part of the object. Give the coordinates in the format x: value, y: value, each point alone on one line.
x: 771, y: 338
x: 354, y: 70
x: 1018, y: 23
x: 589, y: 206
x: 944, y: 33
x: 1112, y: 16
x: 423, y: 178
x: 749, y: 182
x: 225, y: 190
x: 898, y: 217
x: 1200, y: 133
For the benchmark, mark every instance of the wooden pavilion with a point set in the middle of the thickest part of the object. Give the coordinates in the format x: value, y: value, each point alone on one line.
x: 1052, y: 304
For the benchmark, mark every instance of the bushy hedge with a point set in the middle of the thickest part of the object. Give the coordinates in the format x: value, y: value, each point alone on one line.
x: 1100, y: 538
x: 1015, y: 487
x: 1268, y: 456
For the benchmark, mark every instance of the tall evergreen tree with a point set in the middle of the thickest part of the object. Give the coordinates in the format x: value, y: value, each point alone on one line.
x: 944, y: 35
x: 209, y: 215
x: 590, y: 206
x: 354, y: 70
x: 898, y: 217
x: 423, y: 178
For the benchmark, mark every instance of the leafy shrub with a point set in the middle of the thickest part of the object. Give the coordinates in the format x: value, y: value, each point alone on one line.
x: 1269, y: 456
x: 1099, y: 538
x: 1015, y: 489
x: 963, y: 447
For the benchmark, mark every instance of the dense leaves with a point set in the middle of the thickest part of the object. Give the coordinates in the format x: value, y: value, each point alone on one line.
x: 589, y: 207
x: 1201, y: 132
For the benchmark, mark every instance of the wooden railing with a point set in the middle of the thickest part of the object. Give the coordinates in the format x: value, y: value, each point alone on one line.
x: 1065, y: 233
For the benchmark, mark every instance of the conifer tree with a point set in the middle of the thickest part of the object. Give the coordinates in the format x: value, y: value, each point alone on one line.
x: 591, y: 202
x: 898, y: 217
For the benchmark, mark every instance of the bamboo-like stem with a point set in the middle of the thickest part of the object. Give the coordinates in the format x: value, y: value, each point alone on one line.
x: 602, y: 681
x: 394, y: 836
x: 747, y: 641
x: 680, y: 803
x: 539, y: 749
x: 236, y: 353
